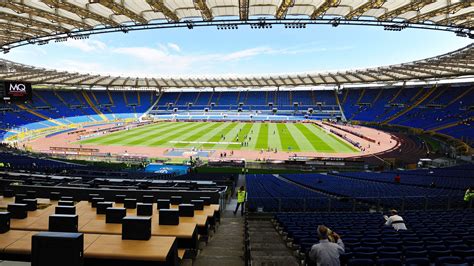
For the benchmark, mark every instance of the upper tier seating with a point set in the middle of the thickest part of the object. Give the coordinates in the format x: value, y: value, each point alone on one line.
x: 447, y: 109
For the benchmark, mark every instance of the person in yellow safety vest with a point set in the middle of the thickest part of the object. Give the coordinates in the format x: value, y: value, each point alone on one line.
x: 241, y: 197
x: 468, y: 196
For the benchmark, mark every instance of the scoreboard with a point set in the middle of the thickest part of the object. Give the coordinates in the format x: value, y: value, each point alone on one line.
x: 15, y: 91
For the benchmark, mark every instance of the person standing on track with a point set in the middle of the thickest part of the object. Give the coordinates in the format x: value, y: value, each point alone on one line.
x: 241, y: 198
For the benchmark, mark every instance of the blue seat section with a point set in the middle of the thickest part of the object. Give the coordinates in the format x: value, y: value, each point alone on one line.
x: 385, y: 194
x: 67, y: 107
x: 435, y: 107
x: 446, y: 109
x: 255, y: 100
x: 432, y: 236
x: 26, y: 162
x: 441, y: 177
x: 270, y: 194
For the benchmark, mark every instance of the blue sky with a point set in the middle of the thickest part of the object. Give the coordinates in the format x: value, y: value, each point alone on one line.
x: 207, y: 51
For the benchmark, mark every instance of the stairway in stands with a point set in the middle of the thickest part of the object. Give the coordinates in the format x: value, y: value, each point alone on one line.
x: 23, y: 107
x: 412, y: 106
x: 226, y: 247
x: 91, y: 104
x: 267, y: 246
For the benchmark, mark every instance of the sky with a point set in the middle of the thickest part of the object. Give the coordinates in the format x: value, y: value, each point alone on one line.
x: 206, y: 51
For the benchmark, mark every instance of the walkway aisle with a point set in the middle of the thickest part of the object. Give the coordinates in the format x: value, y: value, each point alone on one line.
x: 226, y: 247
x: 267, y: 247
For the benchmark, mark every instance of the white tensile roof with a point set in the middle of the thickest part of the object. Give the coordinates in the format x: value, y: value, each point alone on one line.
x: 27, y: 20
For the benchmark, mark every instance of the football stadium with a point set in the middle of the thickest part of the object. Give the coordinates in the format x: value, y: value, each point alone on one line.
x: 225, y: 132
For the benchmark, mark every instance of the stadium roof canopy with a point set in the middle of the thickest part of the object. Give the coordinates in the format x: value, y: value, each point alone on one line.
x: 456, y: 64
x: 40, y: 21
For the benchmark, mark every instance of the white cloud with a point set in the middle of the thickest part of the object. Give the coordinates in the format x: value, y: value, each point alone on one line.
x: 163, y: 61
x: 174, y: 46
x: 246, y: 53
x: 81, y: 67
x: 85, y: 45
x: 162, y: 56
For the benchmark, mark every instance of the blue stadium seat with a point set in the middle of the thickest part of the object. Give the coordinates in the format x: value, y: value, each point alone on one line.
x: 417, y: 262
x: 360, y: 262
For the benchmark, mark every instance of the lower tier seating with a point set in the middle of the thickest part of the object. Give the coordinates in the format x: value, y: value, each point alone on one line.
x: 432, y: 237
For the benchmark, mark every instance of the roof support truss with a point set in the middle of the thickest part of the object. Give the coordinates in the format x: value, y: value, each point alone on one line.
x: 22, y: 8
x: 73, y: 77
x: 370, y: 75
x: 15, y: 74
x: 458, y: 18
x: 15, y: 34
x: 343, y: 76
x: 205, y: 11
x: 438, y: 67
x: 244, y: 9
x: 87, y: 78
x: 322, y: 78
x: 357, y: 76
x: 82, y: 12
x: 334, y: 78
x: 112, y: 81
x: 119, y: 9
x: 53, y: 77
x: 125, y: 81
x: 401, y: 71
x: 415, y: 5
x: 283, y: 8
x: 159, y: 6
x: 312, y: 79
x: 364, y: 8
x: 388, y: 74
x: 29, y: 22
x: 321, y: 10
x: 98, y: 81
x: 445, y: 10
x: 29, y: 30
x: 36, y: 75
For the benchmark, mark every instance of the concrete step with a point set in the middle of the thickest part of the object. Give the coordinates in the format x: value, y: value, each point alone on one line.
x: 222, y: 252
x: 226, y: 247
x: 219, y: 261
x: 263, y: 230
x: 273, y: 262
x: 270, y: 253
x: 227, y: 243
x: 268, y: 246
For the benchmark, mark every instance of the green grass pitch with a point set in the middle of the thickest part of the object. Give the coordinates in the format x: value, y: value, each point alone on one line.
x: 295, y: 137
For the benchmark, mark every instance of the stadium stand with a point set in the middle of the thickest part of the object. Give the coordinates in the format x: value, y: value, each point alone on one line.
x: 432, y: 236
x: 352, y: 192
x: 446, y: 109
x: 50, y: 108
